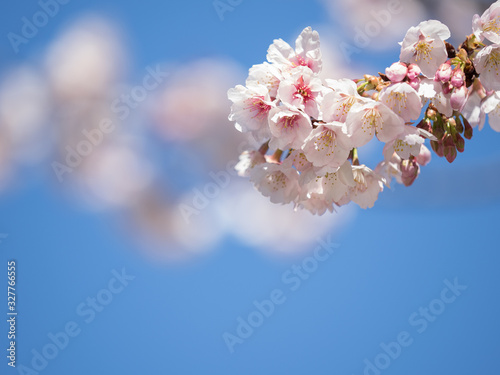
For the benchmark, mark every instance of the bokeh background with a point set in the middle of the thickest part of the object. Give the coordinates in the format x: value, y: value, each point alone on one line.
x: 193, y: 280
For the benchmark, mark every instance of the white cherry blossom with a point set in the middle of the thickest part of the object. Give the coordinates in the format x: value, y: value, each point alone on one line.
x: 289, y: 128
x: 487, y: 64
x: 491, y: 106
x: 278, y: 182
x: 328, y: 144
x: 250, y: 109
x: 301, y: 90
x: 267, y: 75
x: 306, y: 53
x: 424, y: 45
x: 373, y: 118
x: 337, y: 103
x: 403, y: 100
x: 488, y: 25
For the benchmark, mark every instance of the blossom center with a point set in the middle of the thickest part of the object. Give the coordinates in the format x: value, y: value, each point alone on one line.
x: 493, y: 60
x: 276, y: 181
x: 288, y: 122
x: 492, y: 25
x: 303, y: 90
x: 423, y: 49
x: 257, y: 105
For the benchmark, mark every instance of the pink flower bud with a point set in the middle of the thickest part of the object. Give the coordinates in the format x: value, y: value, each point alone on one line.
x: 424, y: 157
x: 396, y: 72
x: 413, y: 71
x: 458, y: 77
x: 409, y: 171
x: 458, y: 98
x: 444, y: 73
x: 447, y: 88
x: 415, y: 83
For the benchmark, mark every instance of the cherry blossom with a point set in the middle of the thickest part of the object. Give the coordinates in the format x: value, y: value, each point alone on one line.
x: 396, y: 72
x: 409, y: 142
x: 424, y: 46
x: 301, y: 90
x: 403, y: 100
x: 491, y: 106
x: 289, y: 128
x: 307, y: 52
x: 267, y: 75
x: 250, y: 109
x: 328, y: 144
x: 488, y: 25
x: 275, y: 181
x: 368, y: 185
x: 311, y: 129
x: 487, y: 64
x: 365, y: 120
x: 337, y: 103
x: 248, y: 160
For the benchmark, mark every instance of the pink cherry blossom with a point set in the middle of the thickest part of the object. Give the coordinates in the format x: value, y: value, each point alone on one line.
x: 248, y: 160
x: 409, y: 171
x: 458, y: 98
x: 487, y: 64
x: 307, y: 52
x: 409, y: 142
x: 403, y: 100
x: 278, y: 182
x: 458, y: 78
x: 368, y: 185
x: 424, y: 45
x: 413, y: 71
x: 424, y: 157
x: 328, y: 144
x: 390, y: 169
x: 444, y: 72
x: 488, y: 25
x: 473, y: 112
x: 337, y: 103
x: 372, y: 118
x: 433, y: 91
x: 267, y: 75
x: 491, y: 106
x: 301, y: 90
x: 250, y: 109
x: 289, y: 128
x: 396, y: 72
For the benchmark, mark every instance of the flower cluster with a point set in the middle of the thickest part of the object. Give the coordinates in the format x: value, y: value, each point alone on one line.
x: 310, y: 129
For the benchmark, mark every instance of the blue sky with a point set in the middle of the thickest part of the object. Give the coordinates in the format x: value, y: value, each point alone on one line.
x: 386, y: 265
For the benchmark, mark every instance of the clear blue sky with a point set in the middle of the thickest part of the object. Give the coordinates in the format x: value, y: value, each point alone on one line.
x: 387, y: 267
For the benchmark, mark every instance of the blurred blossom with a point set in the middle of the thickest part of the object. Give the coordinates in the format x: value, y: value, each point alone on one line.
x: 86, y: 59
x: 194, y: 101
x: 24, y: 109
x: 116, y: 175
x: 457, y: 15
x: 193, y: 108
x: 273, y: 228
x: 381, y: 25
x: 164, y: 235
x: 366, y: 22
